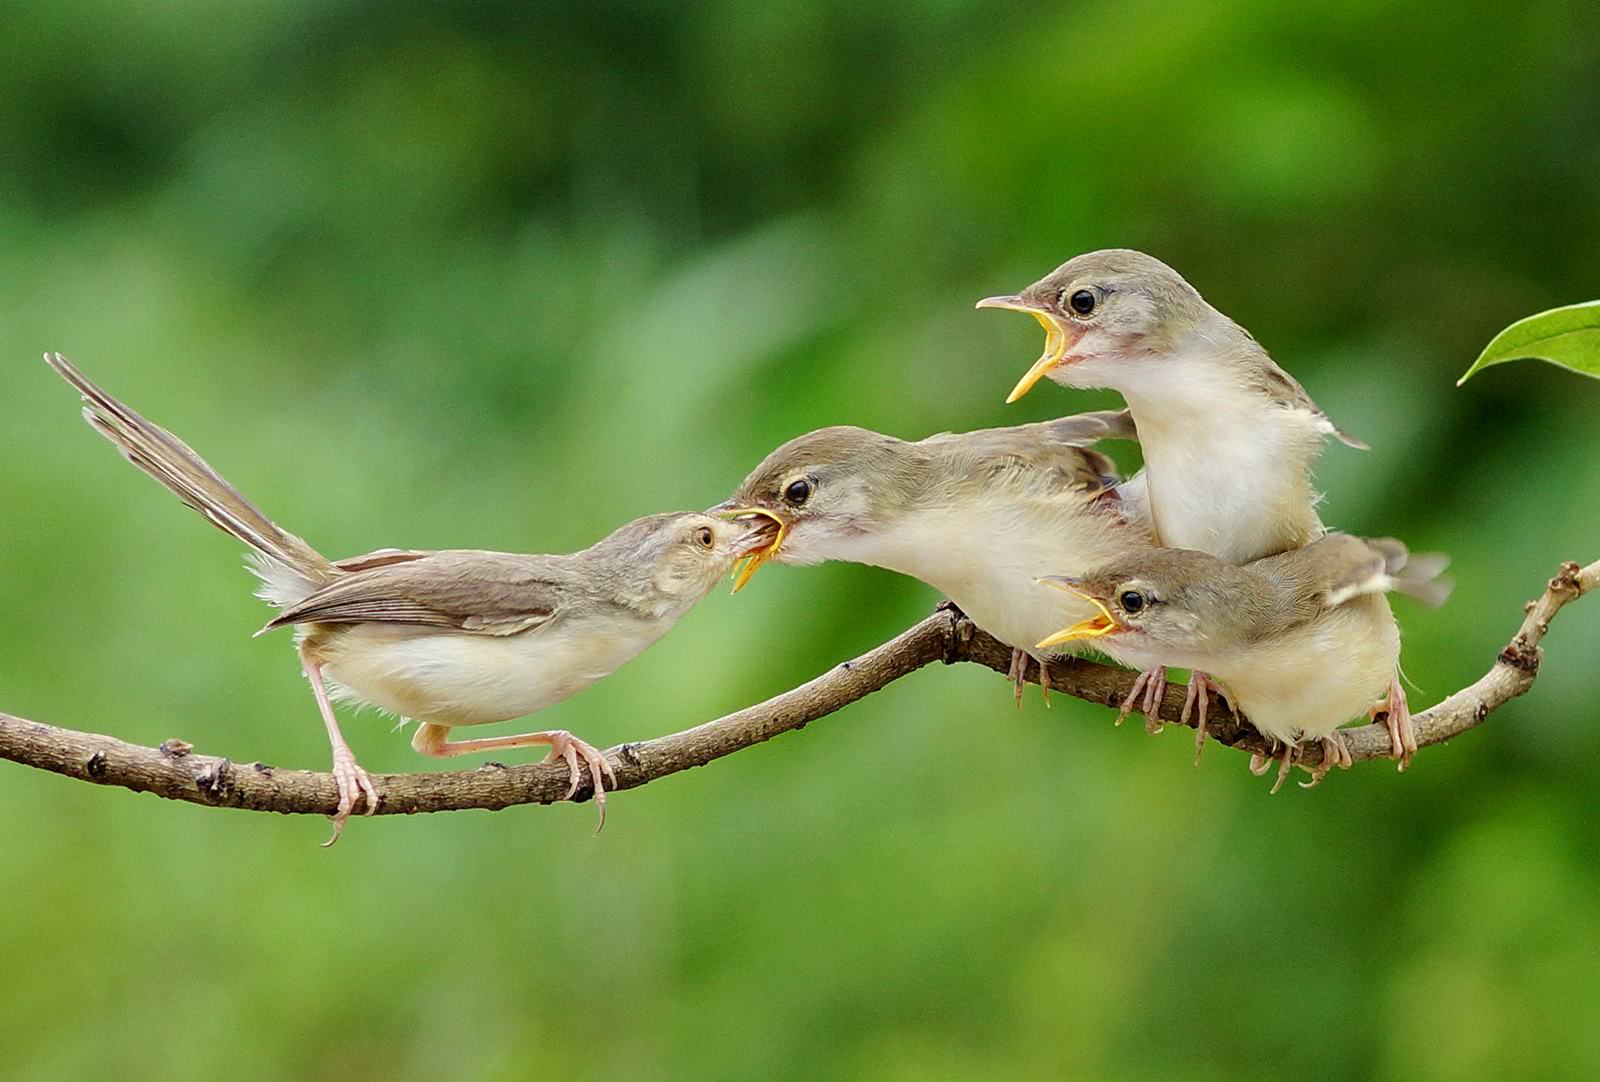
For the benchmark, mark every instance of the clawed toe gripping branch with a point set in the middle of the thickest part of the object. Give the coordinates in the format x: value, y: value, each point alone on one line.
x: 174, y: 770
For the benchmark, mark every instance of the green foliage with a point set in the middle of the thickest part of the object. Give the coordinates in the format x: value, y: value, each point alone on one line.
x: 1568, y: 336
x: 505, y: 275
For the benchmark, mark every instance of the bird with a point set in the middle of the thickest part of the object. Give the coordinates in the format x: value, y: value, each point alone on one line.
x: 978, y: 516
x: 1299, y: 643
x: 453, y: 637
x: 1229, y: 438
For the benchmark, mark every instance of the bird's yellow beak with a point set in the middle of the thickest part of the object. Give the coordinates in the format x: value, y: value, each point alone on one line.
x: 1055, y: 340
x: 1102, y: 623
x: 745, y: 569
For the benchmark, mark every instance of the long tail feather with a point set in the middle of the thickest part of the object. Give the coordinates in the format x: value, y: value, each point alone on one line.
x: 176, y: 466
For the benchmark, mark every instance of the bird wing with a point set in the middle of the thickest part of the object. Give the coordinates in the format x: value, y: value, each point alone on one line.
x: 380, y: 558
x: 488, y: 593
x: 1285, y: 390
x: 1053, y: 452
x: 1083, y: 429
x: 1340, y: 567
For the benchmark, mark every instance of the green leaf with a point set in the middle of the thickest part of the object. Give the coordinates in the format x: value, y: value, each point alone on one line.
x: 1569, y: 337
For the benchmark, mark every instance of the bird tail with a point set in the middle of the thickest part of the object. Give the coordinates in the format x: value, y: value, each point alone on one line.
x: 1416, y: 574
x: 289, y: 568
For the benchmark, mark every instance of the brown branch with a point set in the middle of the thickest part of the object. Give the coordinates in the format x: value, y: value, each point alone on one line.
x: 176, y: 772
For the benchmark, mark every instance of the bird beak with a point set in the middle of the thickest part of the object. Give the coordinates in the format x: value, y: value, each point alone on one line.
x: 1102, y: 623
x: 1056, y: 340
x: 746, y: 568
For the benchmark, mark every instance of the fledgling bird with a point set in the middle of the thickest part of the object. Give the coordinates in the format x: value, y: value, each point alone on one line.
x: 978, y: 516
x: 1229, y: 438
x: 453, y: 637
x: 1300, y: 642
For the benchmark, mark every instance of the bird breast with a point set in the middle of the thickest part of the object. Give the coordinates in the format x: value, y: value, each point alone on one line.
x: 1307, y: 682
x: 454, y: 678
x: 1228, y: 470
x: 986, y: 555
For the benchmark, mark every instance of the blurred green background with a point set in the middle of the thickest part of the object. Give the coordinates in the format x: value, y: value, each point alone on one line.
x: 502, y: 276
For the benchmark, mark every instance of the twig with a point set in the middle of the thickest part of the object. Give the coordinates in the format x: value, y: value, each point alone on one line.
x: 176, y: 772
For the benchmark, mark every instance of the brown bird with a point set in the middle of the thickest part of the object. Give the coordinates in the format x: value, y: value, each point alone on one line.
x: 455, y: 637
x: 1229, y: 438
x: 979, y: 516
x: 1301, y: 642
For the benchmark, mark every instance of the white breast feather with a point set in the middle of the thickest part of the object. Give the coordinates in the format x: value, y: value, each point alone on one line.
x: 1307, y: 683
x: 1228, y: 472
x: 453, y: 678
x: 986, y: 557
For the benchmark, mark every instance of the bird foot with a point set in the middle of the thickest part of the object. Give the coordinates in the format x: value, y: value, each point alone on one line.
x: 1018, y: 675
x: 354, y: 784
x: 1335, y: 753
x: 563, y: 745
x: 1197, y: 698
x: 1283, y: 754
x: 1146, y: 694
x: 1396, y: 714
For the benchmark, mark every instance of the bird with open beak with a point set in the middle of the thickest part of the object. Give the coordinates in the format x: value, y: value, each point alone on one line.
x: 1300, y: 642
x: 979, y: 516
x: 1229, y: 438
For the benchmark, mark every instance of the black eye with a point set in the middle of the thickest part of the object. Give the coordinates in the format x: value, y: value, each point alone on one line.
x: 1132, y: 601
x: 1081, y: 302
x: 704, y: 537
x: 798, y: 492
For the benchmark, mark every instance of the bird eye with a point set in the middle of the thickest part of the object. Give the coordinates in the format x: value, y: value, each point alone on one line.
x: 798, y: 492
x: 1132, y: 602
x: 1082, y: 302
x: 704, y: 537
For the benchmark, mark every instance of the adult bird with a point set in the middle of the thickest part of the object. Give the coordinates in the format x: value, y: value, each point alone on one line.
x: 455, y: 637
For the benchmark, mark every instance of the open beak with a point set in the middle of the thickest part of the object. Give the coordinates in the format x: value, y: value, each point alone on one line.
x: 746, y: 568
x: 1057, y: 340
x: 1101, y: 623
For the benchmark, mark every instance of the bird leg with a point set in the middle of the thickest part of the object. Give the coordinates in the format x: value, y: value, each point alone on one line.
x: 1147, y: 691
x: 1335, y: 752
x: 353, y: 782
x: 434, y: 740
x: 1397, y: 716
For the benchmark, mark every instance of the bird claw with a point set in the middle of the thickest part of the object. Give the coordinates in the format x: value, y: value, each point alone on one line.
x: 1018, y: 675
x: 354, y: 784
x: 1335, y: 753
x: 1397, y: 718
x: 1196, y: 697
x: 565, y: 746
x: 1283, y: 754
x: 1145, y: 695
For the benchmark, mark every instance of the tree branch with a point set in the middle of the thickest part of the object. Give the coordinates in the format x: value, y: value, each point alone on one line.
x: 176, y: 772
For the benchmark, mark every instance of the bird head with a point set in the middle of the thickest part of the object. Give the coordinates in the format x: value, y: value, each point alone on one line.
x: 1171, y: 599
x: 1103, y: 310
x: 686, y: 553
x: 820, y: 492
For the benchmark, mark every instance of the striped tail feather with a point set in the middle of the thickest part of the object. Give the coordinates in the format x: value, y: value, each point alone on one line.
x: 282, y: 558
